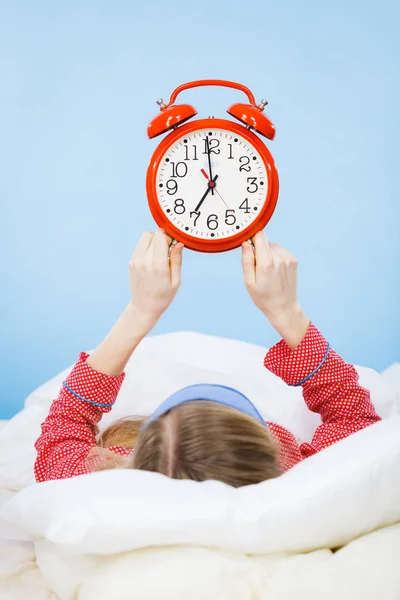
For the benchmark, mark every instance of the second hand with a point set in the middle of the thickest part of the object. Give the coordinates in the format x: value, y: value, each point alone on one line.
x: 207, y: 177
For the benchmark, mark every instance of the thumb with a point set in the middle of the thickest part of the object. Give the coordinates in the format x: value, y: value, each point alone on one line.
x: 176, y: 264
x: 248, y: 264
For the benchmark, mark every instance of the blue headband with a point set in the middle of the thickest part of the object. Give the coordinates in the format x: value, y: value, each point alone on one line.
x: 212, y: 393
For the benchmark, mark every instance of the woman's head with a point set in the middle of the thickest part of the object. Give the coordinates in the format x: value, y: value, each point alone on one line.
x: 199, y: 440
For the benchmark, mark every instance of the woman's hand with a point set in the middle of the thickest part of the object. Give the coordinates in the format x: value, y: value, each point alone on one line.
x: 154, y: 276
x: 270, y: 276
x: 155, y: 279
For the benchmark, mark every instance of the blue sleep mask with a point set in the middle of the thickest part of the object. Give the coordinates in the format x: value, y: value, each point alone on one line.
x: 211, y: 393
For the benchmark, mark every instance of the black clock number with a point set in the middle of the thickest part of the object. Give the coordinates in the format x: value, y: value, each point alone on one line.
x: 230, y: 157
x: 172, y: 187
x: 230, y: 218
x: 187, y: 151
x: 179, y: 206
x: 213, y: 146
x: 253, y: 186
x: 245, y: 206
x: 196, y: 215
x: 244, y: 164
x: 212, y: 222
x: 179, y: 169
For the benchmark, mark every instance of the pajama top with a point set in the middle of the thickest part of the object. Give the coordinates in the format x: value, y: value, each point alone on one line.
x: 69, y: 431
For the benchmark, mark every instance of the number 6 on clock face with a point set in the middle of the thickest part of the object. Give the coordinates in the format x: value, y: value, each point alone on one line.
x: 212, y: 184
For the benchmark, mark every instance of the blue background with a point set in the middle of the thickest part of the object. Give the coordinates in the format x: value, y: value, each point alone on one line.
x: 79, y: 81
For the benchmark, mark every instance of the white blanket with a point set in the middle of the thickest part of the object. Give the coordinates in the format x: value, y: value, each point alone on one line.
x: 272, y: 541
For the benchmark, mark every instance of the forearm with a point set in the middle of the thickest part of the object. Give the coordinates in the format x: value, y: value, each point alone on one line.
x: 112, y: 355
x: 292, y: 325
x: 345, y: 406
x: 330, y: 385
x: 69, y: 431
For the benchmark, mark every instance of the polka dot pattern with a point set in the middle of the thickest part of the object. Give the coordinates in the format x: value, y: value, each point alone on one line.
x: 69, y: 431
x: 67, y: 445
x: 333, y: 392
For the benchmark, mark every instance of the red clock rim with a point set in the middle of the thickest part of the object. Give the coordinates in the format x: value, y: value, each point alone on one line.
x: 194, y: 243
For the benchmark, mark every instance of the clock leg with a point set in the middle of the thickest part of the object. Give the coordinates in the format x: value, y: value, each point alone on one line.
x: 252, y: 245
x: 173, y: 243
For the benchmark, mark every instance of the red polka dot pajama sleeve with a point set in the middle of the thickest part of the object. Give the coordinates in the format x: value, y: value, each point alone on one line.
x: 332, y: 391
x: 69, y: 431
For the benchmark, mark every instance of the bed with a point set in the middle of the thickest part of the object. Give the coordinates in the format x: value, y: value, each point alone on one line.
x: 329, y: 528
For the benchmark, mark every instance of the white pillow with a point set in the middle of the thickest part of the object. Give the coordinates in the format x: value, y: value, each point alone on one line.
x: 180, y: 359
x: 327, y: 500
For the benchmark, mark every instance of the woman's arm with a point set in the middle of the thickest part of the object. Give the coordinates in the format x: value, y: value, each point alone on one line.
x: 304, y: 358
x: 154, y: 281
x: 270, y: 276
x: 69, y: 431
x: 332, y: 391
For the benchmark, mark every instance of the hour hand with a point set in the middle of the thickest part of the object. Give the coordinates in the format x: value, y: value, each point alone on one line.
x: 211, y: 186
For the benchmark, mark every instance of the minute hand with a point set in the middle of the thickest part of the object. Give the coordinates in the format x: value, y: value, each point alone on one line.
x: 211, y: 184
x: 209, y: 160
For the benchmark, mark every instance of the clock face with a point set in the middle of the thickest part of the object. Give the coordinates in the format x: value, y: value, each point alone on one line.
x: 211, y: 183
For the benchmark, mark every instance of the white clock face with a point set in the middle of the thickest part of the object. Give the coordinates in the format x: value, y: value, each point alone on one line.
x: 212, y: 183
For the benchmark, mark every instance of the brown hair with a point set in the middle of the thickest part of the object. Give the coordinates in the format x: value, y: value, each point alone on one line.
x: 197, y: 440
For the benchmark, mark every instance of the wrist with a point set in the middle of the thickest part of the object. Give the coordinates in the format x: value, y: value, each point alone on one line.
x: 291, y: 324
x: 137, y: 322
x: 112, y: 355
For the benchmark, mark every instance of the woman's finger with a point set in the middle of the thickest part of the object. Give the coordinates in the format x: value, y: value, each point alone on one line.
x: 283, y: 254
x: 264, y: 256
x: 161, y: 231
x: 161, y: 244
x: 142, y: 246
x: 176, y: 264
x: 248, y: 264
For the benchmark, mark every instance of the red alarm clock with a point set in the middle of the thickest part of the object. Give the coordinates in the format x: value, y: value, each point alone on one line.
x: 212, y: 183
